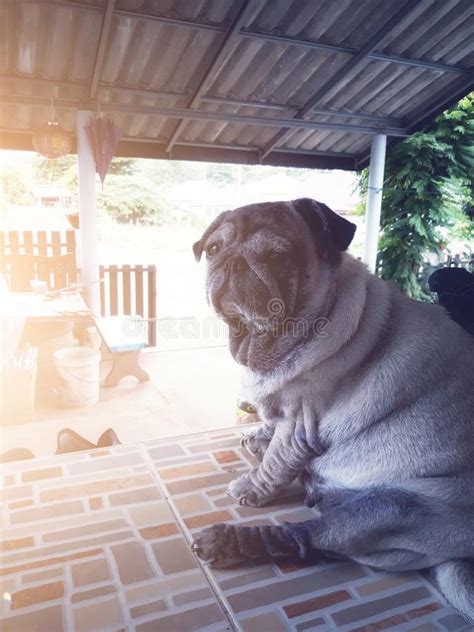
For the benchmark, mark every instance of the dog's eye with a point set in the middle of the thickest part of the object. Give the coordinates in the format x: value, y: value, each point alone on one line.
x: 213, y: 250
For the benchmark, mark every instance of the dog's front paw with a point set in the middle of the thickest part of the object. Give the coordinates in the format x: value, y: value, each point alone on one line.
x: 254, y: 442
x: 245, y: 492
x: 218, y: 545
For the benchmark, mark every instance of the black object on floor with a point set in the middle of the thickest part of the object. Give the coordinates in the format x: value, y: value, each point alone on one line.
x: 69, y: 441
x: 455, y: 290
x: 108, y: 438
x: 17, y: 454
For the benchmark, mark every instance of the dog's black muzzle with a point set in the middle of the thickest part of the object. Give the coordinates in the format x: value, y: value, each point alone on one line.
x: 237, y: 293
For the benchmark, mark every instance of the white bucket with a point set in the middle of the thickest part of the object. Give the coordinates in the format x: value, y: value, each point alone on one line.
x: 78, y: 368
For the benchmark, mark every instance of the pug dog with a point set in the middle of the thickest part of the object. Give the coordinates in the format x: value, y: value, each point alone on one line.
x: 357, y: 399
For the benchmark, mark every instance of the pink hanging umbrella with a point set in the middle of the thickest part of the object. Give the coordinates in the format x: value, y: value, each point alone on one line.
x: 103, y: 137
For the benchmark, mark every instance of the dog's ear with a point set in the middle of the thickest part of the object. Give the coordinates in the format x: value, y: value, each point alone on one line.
x: 331, y: 232
x: 197, y: 249
x: 198, y: 246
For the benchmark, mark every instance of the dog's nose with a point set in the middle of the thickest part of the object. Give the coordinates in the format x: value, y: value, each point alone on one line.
x: 235, y: 264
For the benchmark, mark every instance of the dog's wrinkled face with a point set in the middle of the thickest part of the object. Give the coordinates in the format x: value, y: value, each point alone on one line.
x: 263, y: 264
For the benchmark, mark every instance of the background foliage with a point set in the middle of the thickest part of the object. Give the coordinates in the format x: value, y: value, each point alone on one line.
x: 14, y: 188
x: 133, y: 199
x: 428, y: 197
x: 134, y: 190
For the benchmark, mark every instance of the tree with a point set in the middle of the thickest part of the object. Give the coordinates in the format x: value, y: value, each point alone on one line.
x: 125, y: 166
x: 428, y: 194
x: 55, y: 170
x: 14, y: 188
x: 126, y: 195
x: 133, y: 199
x: 63, y: 171
x: 170, y: 172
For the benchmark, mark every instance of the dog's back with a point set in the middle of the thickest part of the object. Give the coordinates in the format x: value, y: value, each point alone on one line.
x: 405, y: 419
x: 399, y: 395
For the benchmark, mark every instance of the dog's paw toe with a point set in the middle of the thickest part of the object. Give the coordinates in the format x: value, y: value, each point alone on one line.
x: 245, y: 493
x: 254, y: 443
x: 248, y: 441
x: 218, y: 546
x: 249, y: 500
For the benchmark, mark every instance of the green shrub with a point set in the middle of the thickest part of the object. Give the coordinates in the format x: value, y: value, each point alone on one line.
x: 428, y: 196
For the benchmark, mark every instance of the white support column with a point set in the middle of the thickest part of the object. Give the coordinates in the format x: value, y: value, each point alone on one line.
x: 88, y: 238
x: 374, y: 200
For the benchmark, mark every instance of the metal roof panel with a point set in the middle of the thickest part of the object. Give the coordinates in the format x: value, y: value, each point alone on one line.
x: 157, y: 53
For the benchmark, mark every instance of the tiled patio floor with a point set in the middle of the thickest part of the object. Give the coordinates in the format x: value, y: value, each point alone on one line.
x: 100, y: 541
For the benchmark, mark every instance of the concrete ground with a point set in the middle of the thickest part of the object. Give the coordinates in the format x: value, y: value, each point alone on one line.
x: 192, y: 388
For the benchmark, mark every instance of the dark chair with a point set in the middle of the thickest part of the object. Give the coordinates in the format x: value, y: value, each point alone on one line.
x: 455, y: 290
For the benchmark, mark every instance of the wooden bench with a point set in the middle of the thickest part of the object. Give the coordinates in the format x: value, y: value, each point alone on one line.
x: 124, y: 337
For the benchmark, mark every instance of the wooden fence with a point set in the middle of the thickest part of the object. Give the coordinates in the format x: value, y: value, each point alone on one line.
x: 51, y: 256
x: 130, y: 289
x: 456, y: 261
x: 46, y: 243
x: 43, y: 255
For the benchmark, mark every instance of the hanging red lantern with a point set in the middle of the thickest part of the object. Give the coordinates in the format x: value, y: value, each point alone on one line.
x: 52, y: 140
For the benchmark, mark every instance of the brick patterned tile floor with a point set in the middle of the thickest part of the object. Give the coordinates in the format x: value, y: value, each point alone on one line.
x: 100, y: 541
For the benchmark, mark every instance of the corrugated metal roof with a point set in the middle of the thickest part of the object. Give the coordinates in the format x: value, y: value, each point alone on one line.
x: 295, y: 82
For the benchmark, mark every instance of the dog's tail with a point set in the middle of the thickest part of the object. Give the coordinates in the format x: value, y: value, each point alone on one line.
x: 456, y: 581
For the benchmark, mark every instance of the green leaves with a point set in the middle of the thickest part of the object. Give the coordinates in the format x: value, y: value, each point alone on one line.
x: 428, y: 191
x: 131, y: 198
